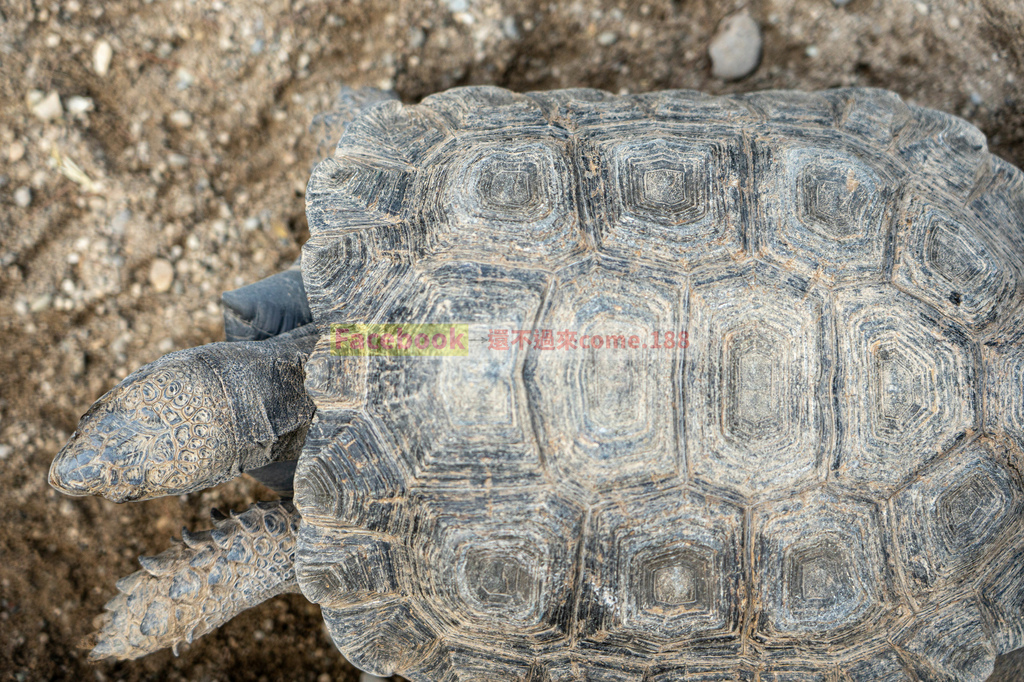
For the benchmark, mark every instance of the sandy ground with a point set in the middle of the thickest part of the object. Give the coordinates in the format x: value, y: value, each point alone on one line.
x: 178, y: 171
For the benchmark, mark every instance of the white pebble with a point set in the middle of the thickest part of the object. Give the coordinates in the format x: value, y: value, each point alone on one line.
x: 5, y: 451
x: 15, y: 152
x: 79, y: 105
x: 607, y: 38
x: 23, y: 197
x: 178, y: 161
x: 161, y: 275
x: 184, y: 78
x: 509, y: 28
x: 812, y: 51
x: 101, y: 56
x: 953, y: 22
x: 180, y: 119
x: 735, y: 50
x: 40, y: 303
x: 45, y: 107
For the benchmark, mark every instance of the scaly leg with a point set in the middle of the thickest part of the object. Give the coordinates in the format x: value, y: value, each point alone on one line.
x: 200, y: 584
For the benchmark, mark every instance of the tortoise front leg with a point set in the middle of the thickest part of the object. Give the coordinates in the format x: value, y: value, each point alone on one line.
x: 198, y: 585
x: 191, y: 420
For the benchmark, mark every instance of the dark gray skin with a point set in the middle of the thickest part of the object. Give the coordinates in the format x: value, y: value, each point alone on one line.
x: 188, y: 421
x: 191, y: 420
x: 825, y: 484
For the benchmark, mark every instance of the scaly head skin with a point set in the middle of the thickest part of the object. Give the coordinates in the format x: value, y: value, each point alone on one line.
x: 151, y: 435
x: 191, y: 420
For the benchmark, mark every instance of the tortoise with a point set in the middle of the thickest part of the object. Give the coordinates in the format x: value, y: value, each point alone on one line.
x: 732, y: 390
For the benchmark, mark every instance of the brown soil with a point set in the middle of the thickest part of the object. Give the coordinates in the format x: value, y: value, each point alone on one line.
x: 220, y: 198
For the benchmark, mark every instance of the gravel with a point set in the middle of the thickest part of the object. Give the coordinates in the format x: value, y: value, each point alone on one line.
x: 23, y: 197
x: 161, y: 275
x: 102, y: 53
x: 180, y: 119
x: 75, y: 264
x: 45, y: 107
x: 735, y: 50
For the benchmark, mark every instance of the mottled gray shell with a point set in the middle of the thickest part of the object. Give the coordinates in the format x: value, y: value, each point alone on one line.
x: 824, y: 485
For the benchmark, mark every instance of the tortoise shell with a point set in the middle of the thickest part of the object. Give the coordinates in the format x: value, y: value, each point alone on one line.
x: 742, y: 396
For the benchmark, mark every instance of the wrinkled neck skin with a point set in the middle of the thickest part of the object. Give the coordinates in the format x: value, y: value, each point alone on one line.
x: 191, y: 420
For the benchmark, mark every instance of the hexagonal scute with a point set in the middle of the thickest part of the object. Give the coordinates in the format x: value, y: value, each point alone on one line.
x: 1004, y: 390
x: 670, y: 197
x: 825, y: 209
x: 496, y: 569
x: 662, y: 570
x: 501, y: 201
x: 945, y: 149
x: 952, y: 517
x: 908, y: 386
x: 602, y: 394
x: 347, y: 477
x: 1002, y: 598
x: 871, y: 114
x: 462, y: 418
x: 342, y: 568
x: 949, y: 643
x: 393, y: 131
x: 487, y: 108
x: 382, y: 637
x: 353, y: 276
x: 820, y: 571
x: 957, y: 261
x: 755, y: 381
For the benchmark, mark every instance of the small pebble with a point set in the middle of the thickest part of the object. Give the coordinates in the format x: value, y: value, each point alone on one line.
x: 953, y: 22
x: 180, y: 119
x: 5, y: 451
x: 457, y: 5
x: 735, y: 50
x: 184, y: 78
x: 101, y: 56
x: 15, y: 152
x: 79, y: 105
x: 840, y: 3
x: 509, y: 28
x: 812, y: 51
x: 607, y: 38
x: 178, y: 161
x: 40, y: 303
x: 45, y: 107
x: 161, y: 275
x: 23, y: 197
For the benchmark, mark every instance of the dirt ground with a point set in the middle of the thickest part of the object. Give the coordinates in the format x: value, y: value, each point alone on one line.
x: 178, y: 171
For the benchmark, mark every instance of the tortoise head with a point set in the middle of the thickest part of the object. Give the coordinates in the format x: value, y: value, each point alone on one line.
x: 149, y: 436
